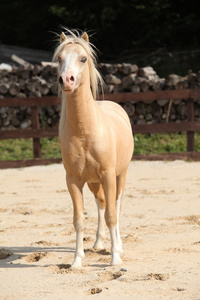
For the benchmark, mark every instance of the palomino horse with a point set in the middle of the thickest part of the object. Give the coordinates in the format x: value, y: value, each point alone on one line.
x: 96, y: 142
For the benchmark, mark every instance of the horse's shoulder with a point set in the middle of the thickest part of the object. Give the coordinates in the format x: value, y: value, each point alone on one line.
x: 113, y: 110
x: 110, y: 107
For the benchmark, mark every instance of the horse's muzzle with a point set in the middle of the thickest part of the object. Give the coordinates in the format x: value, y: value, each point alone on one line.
x: 67, y: 82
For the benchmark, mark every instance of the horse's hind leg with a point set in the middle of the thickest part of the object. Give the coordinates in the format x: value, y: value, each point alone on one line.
x: 121, y: 179
x: 97, y: 190
x: 109, y: 186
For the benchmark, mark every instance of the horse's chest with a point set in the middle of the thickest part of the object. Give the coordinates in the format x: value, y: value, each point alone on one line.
x: 77, y: 158
x: 73, y: 152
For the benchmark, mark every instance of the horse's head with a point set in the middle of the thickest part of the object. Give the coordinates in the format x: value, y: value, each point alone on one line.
x: 76, y: 60
x: 72, y: 63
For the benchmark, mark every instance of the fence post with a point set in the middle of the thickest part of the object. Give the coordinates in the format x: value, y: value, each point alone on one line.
x: 190, y: 118
x: 36, y: 125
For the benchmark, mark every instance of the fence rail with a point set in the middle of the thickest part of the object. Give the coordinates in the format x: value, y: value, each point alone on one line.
x: 189, y: 126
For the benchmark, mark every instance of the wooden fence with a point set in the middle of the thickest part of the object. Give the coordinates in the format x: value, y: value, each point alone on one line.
x: 36, y: 133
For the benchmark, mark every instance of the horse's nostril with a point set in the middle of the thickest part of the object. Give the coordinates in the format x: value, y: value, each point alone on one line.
x: 60, y: 80
x: 72, y: 78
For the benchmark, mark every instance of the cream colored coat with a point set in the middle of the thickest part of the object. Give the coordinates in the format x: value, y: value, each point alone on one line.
x: 96, y: 144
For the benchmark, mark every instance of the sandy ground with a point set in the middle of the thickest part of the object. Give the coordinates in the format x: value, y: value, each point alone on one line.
x: 160, y: 230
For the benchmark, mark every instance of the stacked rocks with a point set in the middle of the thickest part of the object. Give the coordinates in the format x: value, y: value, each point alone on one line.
x: 37, y: 81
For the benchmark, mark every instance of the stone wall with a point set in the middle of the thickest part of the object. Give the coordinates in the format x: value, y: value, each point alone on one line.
x: 37, y: 81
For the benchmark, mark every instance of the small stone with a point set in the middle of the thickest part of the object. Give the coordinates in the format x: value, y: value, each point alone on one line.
x: 172, y: 80
x: 112, y: 79
x: 25, y: 124
x: 123, y: 270
x: 162, y: 102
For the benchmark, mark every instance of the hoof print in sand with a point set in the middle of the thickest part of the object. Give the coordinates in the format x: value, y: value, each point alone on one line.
x: 157, y: 276
x: 95, y: 291
x: 36, y: 256
x: 4, y: 253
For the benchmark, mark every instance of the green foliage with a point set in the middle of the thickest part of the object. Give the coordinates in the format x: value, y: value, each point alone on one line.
x: 155, y: 143
x: 163, y: 143
x: 18, y: 149
x: 119, y: 25
x: 159, y: 143
x: 197, y: 142
x: 51, y: 148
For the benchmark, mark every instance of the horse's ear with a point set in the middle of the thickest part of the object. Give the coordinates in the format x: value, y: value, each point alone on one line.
x: 85, y: 37
x: 62, y: 37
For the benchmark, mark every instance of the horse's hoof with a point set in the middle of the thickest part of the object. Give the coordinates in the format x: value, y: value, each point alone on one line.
x: 98, y: 245
x: 116, y: 260
x: 77, y: 263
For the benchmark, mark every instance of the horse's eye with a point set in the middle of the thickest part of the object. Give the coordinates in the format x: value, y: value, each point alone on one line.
x: 83, y: 59
x: 59, y: 59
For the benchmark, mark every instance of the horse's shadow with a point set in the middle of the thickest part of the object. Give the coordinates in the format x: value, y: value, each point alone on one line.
x: 15, y: 254
x: 16, y: 257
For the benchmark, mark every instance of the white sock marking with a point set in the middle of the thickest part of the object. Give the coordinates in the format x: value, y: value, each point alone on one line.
x: 118, y: 203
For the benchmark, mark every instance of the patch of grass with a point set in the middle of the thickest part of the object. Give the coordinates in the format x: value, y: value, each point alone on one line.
x: 14, y: 149
x: 163, y: 143
x: 51, y: 148
x: 197, y: 141
x: 18, y: 149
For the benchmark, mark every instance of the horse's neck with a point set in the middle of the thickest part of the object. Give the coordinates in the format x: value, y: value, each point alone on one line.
x: 78, y: 110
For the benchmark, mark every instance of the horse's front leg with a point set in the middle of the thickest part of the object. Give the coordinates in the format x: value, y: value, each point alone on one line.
x: 76, y: 193
x: 109, y: 185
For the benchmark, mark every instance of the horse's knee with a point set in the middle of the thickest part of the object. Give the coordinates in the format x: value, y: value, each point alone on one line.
x: 102, y: 203
x: 79, y: 224
x: 111, y: 217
